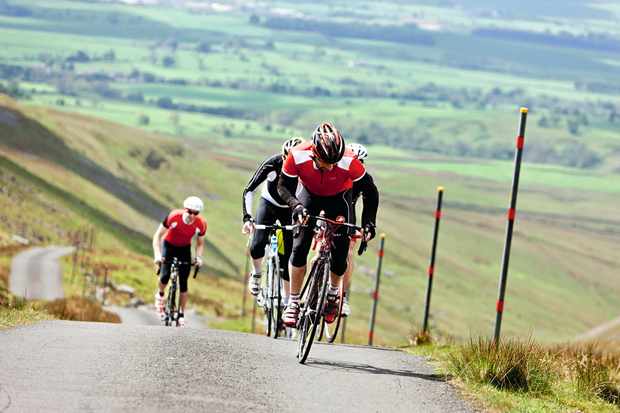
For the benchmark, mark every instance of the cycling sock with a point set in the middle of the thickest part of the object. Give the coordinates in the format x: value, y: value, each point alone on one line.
x: 161, y: 294
x: 181, y: 315
x: 294, y: 298
x: 257, y: 274
x: 332, y: 290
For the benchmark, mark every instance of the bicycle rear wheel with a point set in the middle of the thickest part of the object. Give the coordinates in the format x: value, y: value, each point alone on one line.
x: 276, y: 300
x: 312, y: 308
x: 267, y: 300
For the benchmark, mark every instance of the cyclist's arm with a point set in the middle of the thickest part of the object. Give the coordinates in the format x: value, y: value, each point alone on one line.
x: 200, y: 246
x: 259, y: 176
x: 287, y: 186
x: 370, y: 194
x: 157, y: 237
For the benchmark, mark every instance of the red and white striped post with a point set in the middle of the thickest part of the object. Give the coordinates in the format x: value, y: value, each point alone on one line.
x: 431, y: 267
x: 512, y: 212
x: 375, y: 293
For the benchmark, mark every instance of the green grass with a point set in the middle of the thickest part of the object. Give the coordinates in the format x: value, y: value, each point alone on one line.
x: 522, y: 376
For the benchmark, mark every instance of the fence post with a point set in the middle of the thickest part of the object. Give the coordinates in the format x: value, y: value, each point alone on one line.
x: 431, y: 267
x: 512, y: 212
x: 105, y: 284
x: 375, y: 293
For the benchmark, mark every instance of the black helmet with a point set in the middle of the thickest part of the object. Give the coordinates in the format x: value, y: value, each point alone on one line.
x: 328, y: 143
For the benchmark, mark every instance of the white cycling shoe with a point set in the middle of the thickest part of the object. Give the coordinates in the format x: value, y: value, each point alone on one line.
x: 254, y: 284
x: 346, y: 309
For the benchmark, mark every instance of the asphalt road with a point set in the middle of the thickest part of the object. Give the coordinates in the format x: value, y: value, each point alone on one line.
x: 35, y: 273
x: 71, y: 367
x: 146, y: 316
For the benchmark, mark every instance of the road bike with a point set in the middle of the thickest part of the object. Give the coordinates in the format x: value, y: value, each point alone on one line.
x: 171, y: 308
x: 314, y: 291
x: 270, y: 296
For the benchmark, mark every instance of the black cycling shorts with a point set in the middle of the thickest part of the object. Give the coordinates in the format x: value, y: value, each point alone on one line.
x: 333, y: 206
x: 182, y: 254
x: 267, y: 214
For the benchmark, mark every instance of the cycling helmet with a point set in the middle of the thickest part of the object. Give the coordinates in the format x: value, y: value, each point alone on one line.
x: 194, y: 203
x: 359, y: 150
x: 286, y: 146
x: 328, y: 143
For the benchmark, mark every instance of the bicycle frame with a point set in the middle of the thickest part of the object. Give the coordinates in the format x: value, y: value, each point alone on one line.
x: 270, y: 297
x: 171, y: 313
x: 315, y: 288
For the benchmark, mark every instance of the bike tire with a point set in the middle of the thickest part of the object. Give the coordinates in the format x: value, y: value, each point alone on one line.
x: 171, y: 306
x: 312, y: 319
x: 268, y: 304
x: 277, y: 297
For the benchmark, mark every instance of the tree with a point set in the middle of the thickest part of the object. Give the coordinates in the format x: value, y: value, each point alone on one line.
x: 203, y: 47
x: 254, y: 19
x: 144, y: 120
x: 168, y: 61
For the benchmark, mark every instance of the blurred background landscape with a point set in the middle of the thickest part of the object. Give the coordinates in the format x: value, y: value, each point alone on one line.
x: 111, y: 112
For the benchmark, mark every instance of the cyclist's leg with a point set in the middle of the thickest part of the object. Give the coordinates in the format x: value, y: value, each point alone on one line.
x: 298, y: 260
x: 184, y: 271
x: 264, y: 215
x: 284, y: 216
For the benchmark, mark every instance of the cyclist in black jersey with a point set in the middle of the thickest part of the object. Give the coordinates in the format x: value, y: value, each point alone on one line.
x: 361, y: 153
x: 270, y: 208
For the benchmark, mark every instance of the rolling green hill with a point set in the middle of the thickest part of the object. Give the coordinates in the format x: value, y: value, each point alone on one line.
x: 70, y: 171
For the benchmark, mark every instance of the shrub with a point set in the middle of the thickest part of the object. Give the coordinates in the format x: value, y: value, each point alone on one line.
x: 79, y: 309
x: 512, y: 365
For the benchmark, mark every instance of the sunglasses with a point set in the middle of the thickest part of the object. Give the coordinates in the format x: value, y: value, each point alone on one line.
x: 192, y: 212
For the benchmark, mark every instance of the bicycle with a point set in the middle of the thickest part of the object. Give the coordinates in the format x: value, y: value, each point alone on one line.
x: 171, y: 311
x: 315, y: 288
x: 270, y: 296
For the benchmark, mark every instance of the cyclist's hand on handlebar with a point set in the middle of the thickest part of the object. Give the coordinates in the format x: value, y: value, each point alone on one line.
x: 369, y: 232
x: 248, y: 227
x: 300, y: 214
x: 198, y: 262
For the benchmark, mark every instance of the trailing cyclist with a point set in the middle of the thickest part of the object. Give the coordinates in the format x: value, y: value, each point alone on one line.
x: 361, y: 153
x: 326, y: 172
x: 177, y: 231
x: 271, y: 207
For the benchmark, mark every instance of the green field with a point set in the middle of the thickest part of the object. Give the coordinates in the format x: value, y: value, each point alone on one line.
x: 215, y: 91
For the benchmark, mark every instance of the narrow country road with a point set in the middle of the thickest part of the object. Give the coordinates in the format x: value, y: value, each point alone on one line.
x: 77, y: 367
x: 36, y: 273
x: 146, y: 316
x: 606, y: 331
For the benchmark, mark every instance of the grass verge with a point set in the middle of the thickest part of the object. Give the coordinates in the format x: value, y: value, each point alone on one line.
x: 524, y: 376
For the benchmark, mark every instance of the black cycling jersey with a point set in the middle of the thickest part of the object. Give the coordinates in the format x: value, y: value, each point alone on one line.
x: 269, y: 170
x: 368, y: 190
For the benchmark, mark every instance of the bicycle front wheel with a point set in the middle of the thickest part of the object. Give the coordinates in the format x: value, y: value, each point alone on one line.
x: 312, y: 309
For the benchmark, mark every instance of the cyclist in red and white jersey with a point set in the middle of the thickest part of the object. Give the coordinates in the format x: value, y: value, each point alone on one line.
x: 326, y: 172
x: 173, y: 238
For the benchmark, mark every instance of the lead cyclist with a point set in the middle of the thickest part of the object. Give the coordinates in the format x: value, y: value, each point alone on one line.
x: 326, y: 171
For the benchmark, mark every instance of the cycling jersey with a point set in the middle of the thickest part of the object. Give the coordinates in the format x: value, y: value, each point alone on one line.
x: 269, y: 170
x: 300, y: 164
x: 179, y: 233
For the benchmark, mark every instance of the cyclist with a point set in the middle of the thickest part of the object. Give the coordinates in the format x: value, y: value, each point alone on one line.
x: 177, y: 231
x: 326, y: 172
x: 270, y: 208
x: 360, y: 153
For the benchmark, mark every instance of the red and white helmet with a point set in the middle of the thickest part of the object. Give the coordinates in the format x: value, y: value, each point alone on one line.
x: 328, y: 143
x: 290, y: 143
x: 359, y: 150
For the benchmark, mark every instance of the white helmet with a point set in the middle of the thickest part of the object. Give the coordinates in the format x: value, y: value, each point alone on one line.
x: 290, y: 143
x: 359, y: 150
x: 194, y: 203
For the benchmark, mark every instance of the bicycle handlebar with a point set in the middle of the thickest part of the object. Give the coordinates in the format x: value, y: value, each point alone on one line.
x: 275, y: 226
x: 191, y: 264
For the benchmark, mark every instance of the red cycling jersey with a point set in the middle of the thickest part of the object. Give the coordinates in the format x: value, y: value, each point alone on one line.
x: 299, y: 164
x: 179, y: 233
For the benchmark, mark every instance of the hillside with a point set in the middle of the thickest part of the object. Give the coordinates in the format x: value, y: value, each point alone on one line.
x: 62, y: 171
